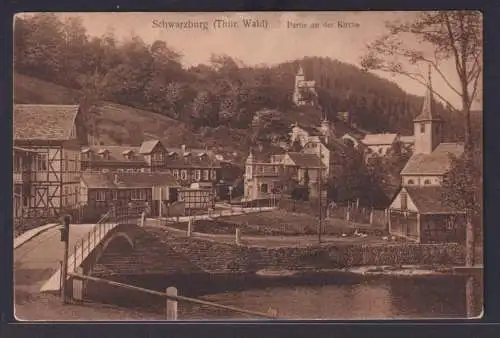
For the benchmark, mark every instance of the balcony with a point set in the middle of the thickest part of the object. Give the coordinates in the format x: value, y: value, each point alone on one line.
x: 21, y: 177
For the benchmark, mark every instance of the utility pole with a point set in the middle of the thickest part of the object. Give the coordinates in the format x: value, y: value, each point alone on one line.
x: 64, y: 270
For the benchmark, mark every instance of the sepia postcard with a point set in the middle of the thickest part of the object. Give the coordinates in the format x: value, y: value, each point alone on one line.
x: 247, y: 166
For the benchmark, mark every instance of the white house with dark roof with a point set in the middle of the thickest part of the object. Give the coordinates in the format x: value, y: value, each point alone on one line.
x: 418, y: 212
x: 264, y: 178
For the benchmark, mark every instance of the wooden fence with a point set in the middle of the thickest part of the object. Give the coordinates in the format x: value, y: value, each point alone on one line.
x: 352, y: 213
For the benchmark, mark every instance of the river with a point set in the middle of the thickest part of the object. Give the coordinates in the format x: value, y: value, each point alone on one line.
x: 335, y: 297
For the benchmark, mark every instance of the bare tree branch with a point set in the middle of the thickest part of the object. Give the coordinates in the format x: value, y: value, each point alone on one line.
x: 452, y: 45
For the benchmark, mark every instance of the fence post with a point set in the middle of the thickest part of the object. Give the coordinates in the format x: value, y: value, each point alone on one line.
x: 371, y: 217
x: 238, y: 236
x: 171, y: 304
x: 190, y: 227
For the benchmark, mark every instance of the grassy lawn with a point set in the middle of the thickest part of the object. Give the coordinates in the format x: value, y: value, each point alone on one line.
x: 279, y: 223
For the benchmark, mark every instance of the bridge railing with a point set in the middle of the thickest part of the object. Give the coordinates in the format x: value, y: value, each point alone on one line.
x: 106, y: 223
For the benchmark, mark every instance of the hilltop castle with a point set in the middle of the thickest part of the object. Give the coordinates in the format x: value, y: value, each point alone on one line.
x: 304, y: 91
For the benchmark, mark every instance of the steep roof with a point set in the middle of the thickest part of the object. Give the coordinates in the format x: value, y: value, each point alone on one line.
x: 128, y: 181
x: 379, y: 139
x: 305, y: 160
x: 44, y: 121
x: 436, y: 163
x: 428, y: 112
x: 429, y: 200
x: 148, y: 146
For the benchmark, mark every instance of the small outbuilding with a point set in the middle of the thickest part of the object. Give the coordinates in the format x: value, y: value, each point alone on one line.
x: 419, y: 214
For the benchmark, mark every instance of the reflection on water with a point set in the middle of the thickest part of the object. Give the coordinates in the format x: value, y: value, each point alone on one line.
x: 332, y: 298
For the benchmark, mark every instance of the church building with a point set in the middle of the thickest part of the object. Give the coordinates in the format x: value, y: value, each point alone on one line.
x: 418, y: 212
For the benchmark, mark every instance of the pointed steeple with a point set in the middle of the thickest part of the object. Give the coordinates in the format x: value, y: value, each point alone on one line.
x: 301, y: 71
x: 428, y: 112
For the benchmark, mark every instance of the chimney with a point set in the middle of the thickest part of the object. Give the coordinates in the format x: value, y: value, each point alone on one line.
x: 183, y: 147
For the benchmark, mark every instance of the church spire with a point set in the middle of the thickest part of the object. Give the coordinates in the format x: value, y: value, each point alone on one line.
x: 428, y: 112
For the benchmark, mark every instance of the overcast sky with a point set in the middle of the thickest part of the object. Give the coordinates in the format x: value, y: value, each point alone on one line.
x: 276, y: 43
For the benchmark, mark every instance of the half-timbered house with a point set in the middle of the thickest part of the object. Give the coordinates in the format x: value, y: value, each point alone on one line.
x: 22, y: 162
x: 55, y: 133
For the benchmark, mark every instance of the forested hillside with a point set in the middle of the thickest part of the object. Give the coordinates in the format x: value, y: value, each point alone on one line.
x: 202, y: 104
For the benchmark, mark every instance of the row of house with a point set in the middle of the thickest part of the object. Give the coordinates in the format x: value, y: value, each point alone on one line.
x: 55, y: 171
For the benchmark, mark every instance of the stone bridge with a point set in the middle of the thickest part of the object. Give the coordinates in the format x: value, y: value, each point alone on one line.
x: 104, y: 237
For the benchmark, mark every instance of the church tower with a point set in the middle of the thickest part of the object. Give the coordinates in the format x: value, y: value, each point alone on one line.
x: 427, y: 126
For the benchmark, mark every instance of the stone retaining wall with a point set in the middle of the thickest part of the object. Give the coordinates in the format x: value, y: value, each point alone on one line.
x: 224, y: 258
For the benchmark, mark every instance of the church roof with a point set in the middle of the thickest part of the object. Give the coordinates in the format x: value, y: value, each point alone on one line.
x: 429, y: 200
x: 436, y: 163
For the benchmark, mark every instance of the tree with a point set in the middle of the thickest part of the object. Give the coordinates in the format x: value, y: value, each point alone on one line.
x: 269, y: 127
x: 462, y: 189
x: 453, y: 35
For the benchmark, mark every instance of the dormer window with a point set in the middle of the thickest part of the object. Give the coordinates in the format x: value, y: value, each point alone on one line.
x: 128, y: 154
x: 103, y: 153
x: 86, y: 153
x: 172, y: 154
x: 202, y: 156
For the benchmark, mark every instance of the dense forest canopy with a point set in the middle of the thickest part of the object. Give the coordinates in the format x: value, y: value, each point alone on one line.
x: 223, y: 92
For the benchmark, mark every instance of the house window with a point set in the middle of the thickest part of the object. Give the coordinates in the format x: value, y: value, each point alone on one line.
x: 183, y: 174
x: 137, y: 195
x: 205, y: 175
x: 115, y: 195
x: 175, y: 172
x: 197, y: 175
x: 214, y: 175
x: 427, y: 182
x: 404, y: 201
x: 422, y: 127
x: 41, y: 162
x: 411, y: 182
x: 158, y: 157
x: 263, y: 188
x: 101, y: 195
